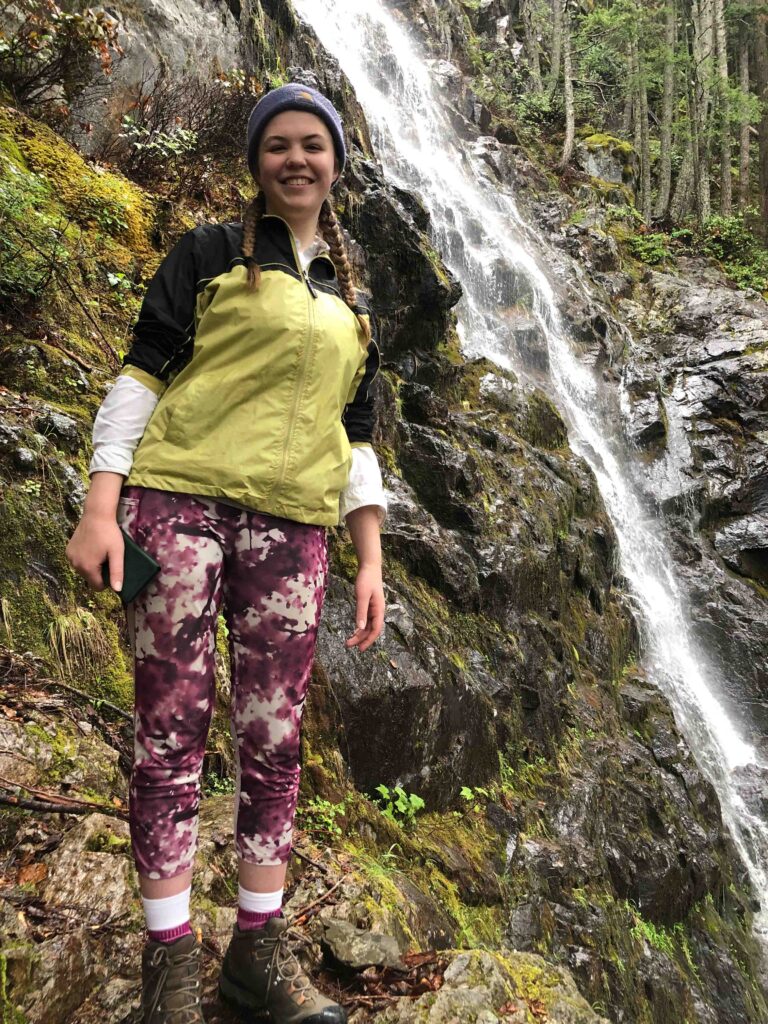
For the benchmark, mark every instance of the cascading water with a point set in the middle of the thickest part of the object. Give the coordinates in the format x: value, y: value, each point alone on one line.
x: 485, y: 243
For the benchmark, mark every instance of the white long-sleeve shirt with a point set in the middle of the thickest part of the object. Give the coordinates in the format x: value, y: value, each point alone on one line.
x: 125, y: 412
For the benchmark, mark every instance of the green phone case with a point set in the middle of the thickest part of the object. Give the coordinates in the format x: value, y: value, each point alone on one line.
x: 138, y: 569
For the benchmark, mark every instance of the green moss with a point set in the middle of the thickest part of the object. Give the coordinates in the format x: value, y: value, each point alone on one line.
x: 107, y: 842
x: 9, y: 1014
x: 106, y: 200
x: 437, y: 263
x: 62, y: 745
x: 619, y: 148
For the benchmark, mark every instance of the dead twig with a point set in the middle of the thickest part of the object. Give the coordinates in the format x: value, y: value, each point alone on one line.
x: 98, y: 702
x: 308, y: 860
x: 11, y: 785
x: 303, y: 916
x: 51, y: 808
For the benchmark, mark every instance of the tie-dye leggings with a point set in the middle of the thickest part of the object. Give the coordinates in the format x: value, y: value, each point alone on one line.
x: 271, y: 574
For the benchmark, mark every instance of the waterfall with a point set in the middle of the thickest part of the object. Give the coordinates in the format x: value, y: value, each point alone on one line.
x: 484, y: 241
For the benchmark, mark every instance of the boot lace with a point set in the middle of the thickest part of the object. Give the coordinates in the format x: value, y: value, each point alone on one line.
x: 188, y: 984
x: 285, y: 963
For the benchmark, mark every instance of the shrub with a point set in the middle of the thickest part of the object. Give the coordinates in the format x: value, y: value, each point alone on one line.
x: 49, y: 55
x: 175, y: 125
x: 730, y: 242
x: 650, y: 248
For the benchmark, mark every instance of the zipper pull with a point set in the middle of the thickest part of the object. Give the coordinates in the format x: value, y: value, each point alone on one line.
x: 311, y: 287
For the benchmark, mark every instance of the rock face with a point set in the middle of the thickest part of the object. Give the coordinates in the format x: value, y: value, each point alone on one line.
x: 703, y: 347
x: 155, y: 33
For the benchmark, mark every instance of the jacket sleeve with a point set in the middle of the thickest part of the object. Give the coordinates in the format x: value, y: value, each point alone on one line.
x: 358, y: 412
x: 120, y: 424
x: 164, y: 332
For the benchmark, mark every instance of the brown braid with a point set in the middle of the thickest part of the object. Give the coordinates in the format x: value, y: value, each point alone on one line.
x: 331, y: 232
x: 256, y: 210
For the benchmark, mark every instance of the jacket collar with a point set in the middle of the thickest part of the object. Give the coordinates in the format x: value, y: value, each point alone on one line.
x: 281, y: 242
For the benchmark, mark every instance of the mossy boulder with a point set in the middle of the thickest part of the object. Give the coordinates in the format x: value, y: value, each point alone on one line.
x: 480, y: 987
x: 608, y: 158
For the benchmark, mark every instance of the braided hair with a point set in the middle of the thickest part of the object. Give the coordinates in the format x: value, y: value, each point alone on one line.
x: 331, y: 232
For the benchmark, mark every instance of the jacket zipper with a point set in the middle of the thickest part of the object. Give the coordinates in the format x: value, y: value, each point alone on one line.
x: 300, y: 383
x: 297, y: 260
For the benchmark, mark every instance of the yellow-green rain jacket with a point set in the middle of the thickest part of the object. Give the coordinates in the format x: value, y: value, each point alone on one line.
x: 262, y: 394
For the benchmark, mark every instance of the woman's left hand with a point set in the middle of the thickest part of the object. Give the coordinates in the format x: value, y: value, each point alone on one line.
x: 370, y: 606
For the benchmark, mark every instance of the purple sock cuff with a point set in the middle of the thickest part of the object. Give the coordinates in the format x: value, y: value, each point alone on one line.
x: 248, y: 919
x: 171, y: 934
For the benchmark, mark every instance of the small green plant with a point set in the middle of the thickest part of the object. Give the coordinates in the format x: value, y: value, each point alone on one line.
x: 31, y: 487
x: 166, y: 145
x: 217, y: 785
x: 319, y: 816
x: 651, y: 248
x: 398, y: 805
x: 471, y: 795
x: 743, y: 258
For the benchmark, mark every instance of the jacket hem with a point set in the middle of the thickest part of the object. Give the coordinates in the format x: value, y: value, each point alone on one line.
x: 251, y: 501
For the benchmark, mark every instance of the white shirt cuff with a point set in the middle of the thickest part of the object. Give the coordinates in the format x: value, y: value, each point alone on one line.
x: 364, y: 486
x: 120, y: 424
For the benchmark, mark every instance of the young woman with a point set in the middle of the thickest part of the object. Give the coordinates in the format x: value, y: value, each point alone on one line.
x: 242, y: 421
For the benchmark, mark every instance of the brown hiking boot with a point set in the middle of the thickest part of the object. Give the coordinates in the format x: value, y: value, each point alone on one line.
x: 261, y: 974
x: 170, y: 982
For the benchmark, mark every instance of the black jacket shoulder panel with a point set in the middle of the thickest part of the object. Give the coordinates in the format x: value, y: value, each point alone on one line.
x: 358, y: 414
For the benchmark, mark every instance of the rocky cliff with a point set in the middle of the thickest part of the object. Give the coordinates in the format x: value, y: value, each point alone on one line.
x: 570, y: 863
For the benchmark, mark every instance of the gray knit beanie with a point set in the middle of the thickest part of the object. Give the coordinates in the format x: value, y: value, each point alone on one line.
x: 294, y: 96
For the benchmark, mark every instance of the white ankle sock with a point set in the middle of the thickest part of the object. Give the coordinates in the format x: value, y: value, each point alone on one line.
x: 259, y: 902
x: 168, y: 912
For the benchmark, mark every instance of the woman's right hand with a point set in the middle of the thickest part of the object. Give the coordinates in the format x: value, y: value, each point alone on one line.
x: 97, y: 538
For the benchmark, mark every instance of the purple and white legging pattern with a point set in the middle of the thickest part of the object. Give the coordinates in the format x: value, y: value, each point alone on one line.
x: 269, y: 574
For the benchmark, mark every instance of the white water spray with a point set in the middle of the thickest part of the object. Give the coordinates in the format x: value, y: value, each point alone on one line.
x: 485, y: 243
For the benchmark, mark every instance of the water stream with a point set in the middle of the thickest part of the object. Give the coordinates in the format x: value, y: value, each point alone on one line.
x: 478, y: 231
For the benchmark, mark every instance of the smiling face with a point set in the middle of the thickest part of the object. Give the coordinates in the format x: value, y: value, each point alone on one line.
x: 296, y: 164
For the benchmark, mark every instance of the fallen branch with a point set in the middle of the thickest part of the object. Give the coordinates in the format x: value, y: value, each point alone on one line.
x: 50, y: 808
x: 308, y: 860
x: 11, y: 785
x: 303, y: 916
x: 98, y: 702
x: 9, y: 661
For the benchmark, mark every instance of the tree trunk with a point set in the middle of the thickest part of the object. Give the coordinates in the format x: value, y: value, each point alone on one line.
x: 682, y: 203
x: 744, y: 126
x: 642, y: 139
x: 628, y: 118
x: 570, y: 112
x: 724, y: 127
x: 557, y: 46
x: 528, y: 14
x: 667, y: 111
x: 703, y: 56
x: 761, y: 75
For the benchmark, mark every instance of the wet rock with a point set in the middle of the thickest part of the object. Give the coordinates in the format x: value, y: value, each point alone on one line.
x: 743, y: 543
x: 414, y: 290
x: 357, y: 947
x: 442, y: 718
